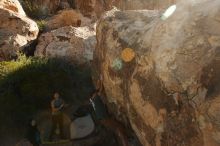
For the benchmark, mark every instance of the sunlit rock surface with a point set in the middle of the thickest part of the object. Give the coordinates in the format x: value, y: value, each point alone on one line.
x: 16, y: 30
x: 162, y: 75
x: 12, y: 5
x: 72, y: 43
x: 94, y: 8
x: 140, y: 4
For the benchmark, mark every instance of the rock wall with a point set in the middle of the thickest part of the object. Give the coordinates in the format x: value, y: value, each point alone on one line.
x: 16, y: 30
x: 94, y: 8
x: 141, y: 4
x: 161, y: 76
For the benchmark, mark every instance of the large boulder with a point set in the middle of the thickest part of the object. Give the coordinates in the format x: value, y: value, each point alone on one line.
x: 16, y: 30
x: 161, y: 75
x: 72, y: 43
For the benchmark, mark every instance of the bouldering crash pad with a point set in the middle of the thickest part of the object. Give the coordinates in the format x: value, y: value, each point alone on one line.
x: 82, y: 127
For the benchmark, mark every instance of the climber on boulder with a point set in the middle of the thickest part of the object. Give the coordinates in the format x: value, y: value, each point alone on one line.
x: 103, y: 117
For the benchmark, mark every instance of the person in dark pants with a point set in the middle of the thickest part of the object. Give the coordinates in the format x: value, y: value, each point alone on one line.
x: 57, y: 105
x: 103, y: 116
x: 33, y: 134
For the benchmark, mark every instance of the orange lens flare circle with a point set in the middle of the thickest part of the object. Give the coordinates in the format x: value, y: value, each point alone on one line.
x: 127, y: 55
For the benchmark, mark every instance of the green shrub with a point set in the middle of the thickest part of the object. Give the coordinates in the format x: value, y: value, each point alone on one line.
x: 27, y: 85
x: 41, y: 25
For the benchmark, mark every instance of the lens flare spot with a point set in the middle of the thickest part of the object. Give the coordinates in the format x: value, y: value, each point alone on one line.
x: 168, y: 12
x: 117, y: 64
x: 127, y: 55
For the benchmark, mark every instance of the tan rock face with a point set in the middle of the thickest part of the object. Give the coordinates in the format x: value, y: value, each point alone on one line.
x: 94, y: 8
x: 74, y: 44
x: 16, y: 30
x: 65, y: 18
x: 13, y: 6
x: 168, y: 86
x: 140, y: 4
x: 86, y: 7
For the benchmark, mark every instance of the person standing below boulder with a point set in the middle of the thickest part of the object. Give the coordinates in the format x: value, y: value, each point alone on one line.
x: 33, y: 134
x: 57, y: 104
